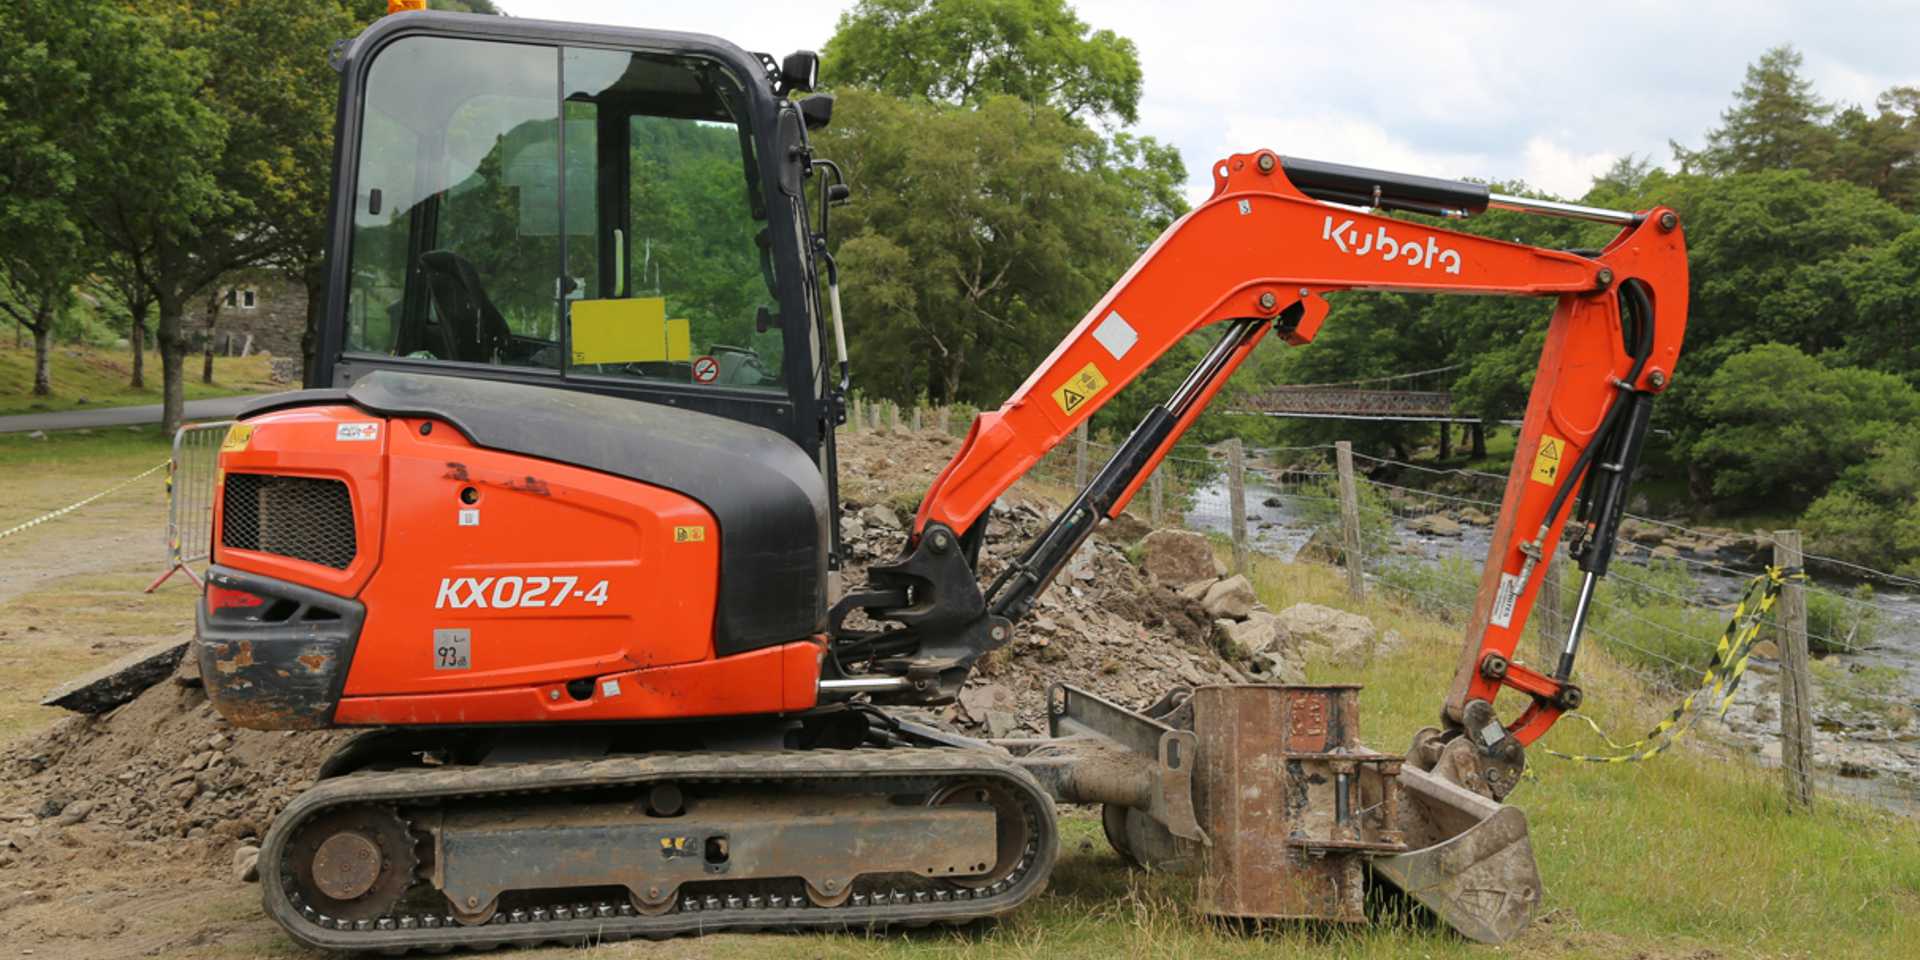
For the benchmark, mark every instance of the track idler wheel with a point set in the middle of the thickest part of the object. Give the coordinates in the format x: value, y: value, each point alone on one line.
x: 355, y: 863
x: 1012, y: 831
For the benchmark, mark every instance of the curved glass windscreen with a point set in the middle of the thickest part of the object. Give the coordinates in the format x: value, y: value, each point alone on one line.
x: 590, y: 212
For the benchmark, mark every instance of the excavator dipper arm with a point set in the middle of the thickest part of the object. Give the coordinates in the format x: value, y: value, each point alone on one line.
x: 1259, y: 256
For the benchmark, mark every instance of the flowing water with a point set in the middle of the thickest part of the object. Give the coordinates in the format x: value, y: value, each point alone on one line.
x: 1864, y: 748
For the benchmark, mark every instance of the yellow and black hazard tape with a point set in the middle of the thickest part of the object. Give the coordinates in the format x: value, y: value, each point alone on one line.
x: 1721, y: 679
x: 63, y: 511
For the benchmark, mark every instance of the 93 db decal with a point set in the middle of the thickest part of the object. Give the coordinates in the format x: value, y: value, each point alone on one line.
x: 502, y: 593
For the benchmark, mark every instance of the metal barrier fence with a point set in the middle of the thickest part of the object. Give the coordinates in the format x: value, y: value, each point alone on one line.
x: 190, y: 477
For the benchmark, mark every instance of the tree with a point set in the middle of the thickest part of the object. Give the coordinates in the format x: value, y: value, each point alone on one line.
x: 1872, y: 514
x: 1882, y: 151
x: 1776, y: 123
x: 967, y: 51
x: 1883, y: 283
x: 44, y: 66
x: 228, y: 110
x: 118, y: 282
x: 980, y: 237
x: 1781, y: 426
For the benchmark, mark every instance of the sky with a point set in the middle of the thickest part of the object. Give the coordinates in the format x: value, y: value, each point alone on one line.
x: 1547, y: 92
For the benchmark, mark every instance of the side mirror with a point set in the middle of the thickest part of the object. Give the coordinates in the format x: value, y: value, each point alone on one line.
x: 800, y: 70
x: 817, y: 110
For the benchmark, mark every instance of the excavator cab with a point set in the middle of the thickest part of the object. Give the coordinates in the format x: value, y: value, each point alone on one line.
x: 609, y: 211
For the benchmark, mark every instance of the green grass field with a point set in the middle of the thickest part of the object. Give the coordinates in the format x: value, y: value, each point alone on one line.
x: 100, y: 377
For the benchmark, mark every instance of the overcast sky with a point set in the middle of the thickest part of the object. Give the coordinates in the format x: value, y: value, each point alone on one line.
x: 1550, y: 92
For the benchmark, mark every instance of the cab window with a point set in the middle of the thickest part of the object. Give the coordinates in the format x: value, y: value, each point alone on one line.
x: 593, y: 213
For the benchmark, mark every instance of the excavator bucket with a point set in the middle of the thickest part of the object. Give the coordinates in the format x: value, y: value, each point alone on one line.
x: 1287, y: 809
x: 1475, y: 867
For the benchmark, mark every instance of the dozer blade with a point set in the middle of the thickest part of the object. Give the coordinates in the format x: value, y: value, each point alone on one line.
x: 1476, y: 870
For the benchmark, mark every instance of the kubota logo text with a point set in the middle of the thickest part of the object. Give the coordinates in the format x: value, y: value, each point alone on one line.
x: 1388, y: 247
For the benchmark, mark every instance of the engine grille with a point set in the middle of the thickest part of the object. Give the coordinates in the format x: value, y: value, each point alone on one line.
x: 299, y: 517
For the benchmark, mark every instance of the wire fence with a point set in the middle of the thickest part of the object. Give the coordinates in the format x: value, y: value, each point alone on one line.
x: 1424, y: 534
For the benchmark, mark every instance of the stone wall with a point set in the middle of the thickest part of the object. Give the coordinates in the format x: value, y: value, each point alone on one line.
x: 276, y: 320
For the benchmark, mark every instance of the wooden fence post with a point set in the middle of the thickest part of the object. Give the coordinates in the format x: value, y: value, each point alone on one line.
x: 1080, y: 456
x: 893, y: 415
x: 1157, y: 488
x: 916, y: 418
x: 1350, y: 520
x: 1546, y: 610
x: 945, y: 421
x: 1796, y: 697
x: 1237, y: 501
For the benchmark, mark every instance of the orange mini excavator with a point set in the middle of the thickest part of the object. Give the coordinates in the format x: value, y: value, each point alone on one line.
x: 558, y: 522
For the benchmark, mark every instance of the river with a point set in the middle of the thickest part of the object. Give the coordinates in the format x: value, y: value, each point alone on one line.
x: 1868, y: 748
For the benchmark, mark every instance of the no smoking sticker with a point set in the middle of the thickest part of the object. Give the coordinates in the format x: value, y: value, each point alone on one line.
x: 1546, y: 462
x: 706, y: 370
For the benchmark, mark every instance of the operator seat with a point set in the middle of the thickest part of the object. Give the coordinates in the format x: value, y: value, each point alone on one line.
x: 470, y: 329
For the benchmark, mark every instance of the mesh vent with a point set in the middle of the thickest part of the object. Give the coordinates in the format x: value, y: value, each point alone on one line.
x: 298, y: 517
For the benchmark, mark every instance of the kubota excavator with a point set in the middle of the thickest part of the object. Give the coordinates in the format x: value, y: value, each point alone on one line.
x: 557, y: 519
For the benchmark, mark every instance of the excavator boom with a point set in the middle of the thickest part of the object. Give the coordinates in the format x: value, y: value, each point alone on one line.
x: 1260, y: 256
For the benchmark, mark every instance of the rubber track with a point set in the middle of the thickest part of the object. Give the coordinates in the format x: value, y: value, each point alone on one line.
x: 415, y: 787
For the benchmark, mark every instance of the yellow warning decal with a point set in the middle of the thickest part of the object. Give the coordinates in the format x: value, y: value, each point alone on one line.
x: 1546, y: 462
x: 689, y: 534
x: 237, y: 437
x: 1079, y: 388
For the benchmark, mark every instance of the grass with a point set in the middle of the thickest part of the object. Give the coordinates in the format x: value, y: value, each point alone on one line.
x: 1693, y: 855
x: 100, y: 377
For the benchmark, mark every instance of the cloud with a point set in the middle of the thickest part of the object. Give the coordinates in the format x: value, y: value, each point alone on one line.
x: 1561, y: 170
x: 1549, y: 92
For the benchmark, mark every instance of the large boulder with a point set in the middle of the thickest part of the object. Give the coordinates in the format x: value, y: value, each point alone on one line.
x: 1437, y: 525
x: 1475, y: 516
x: 1240, y: 639
x: 1175, y: 558
x: 1323, y: 547
x: 1323, y: 631
x: 1231, y: 599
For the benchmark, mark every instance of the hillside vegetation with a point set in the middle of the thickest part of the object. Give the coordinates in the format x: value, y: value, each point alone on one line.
x: 88, y: 376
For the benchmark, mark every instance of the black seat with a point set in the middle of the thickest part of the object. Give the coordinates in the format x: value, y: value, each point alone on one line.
x: 468, y: 326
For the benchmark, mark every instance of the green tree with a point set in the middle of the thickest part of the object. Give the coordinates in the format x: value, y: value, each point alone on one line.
x: 1882, y: 151
x: 1883, y: 283
x: 980, y: 237
x: 45, y: 65
x: 1871, y: 516
x: 1781, y: 426
x: 1775, y: 123
x: 967, y: 51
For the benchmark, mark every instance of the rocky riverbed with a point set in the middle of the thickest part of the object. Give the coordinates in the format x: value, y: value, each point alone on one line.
x: 1866, y: 702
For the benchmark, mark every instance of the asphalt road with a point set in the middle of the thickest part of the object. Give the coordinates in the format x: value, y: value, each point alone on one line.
x: 218, y: 408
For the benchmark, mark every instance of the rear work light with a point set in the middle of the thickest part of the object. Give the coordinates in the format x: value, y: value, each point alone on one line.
x: 226, y: 598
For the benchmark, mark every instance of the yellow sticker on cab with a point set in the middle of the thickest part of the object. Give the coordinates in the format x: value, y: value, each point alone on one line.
x: 689, y: 534
x: 1079, y: 388
x: 238, y: 436
x: 1547, y: 460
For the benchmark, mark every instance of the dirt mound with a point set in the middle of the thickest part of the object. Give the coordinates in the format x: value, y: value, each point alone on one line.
x: 163, y: 766
x: 1102, y: 625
